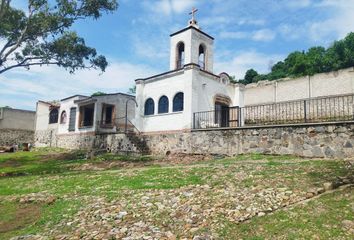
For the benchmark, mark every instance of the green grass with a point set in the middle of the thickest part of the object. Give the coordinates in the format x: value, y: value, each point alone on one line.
x: 52, y: 171
x: 47, y: 161
x: 318, y: 219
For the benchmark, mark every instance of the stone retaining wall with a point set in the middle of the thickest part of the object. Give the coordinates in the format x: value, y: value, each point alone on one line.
x: 112, y: 142
x: 329, y: 140
x: 45, y: 138
x: 15, y: 136
x: 334, y: 140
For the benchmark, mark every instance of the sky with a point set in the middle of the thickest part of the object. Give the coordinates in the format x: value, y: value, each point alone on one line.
x: 135, y: 40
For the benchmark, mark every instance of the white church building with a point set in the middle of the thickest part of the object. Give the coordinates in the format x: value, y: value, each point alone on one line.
x: 167, y: 101
x: 191, y: 96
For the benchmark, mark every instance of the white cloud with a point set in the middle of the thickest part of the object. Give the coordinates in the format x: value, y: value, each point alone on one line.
x: 338, y: 23
x: 234, y: 35
x: 254, y: 22
x: 50, y: 83
x: 151, y: 48
x: 341, y: 22
x: 243, y: 61
x: 262, y: 35
x: 168, y: 7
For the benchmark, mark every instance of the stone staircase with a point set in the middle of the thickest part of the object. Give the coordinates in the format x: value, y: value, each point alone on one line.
x: 138, y: 142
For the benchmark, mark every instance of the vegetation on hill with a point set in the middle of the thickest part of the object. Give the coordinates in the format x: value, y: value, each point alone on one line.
x: 315, y: 60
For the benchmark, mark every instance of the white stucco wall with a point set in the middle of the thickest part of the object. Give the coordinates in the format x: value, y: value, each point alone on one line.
x: 292, y: 89
x: 206, y: 87
x: 199, y: 88
x: 259, y: 93
x: 42, y: 117
x: 66, y: 105
x: 333, y: 83
x: 169, y: 86
x: 323, y: 84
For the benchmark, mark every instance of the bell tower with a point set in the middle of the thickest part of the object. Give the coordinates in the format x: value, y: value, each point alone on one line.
x: 191, y: 45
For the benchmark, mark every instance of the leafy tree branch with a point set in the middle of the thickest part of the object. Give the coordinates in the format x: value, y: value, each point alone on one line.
x: 42, y: 35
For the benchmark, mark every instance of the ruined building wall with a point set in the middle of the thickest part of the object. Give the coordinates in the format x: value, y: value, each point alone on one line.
x: 16, y: 126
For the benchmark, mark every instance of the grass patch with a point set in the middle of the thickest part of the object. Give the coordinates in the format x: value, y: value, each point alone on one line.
x: 53, y: 173
x: 315, y: 220
x: 20, y: 219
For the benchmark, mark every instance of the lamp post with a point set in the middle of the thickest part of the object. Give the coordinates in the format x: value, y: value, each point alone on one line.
x: 126, y: 112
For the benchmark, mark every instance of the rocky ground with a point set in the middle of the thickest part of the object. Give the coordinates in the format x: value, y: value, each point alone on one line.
x: 224, y: 192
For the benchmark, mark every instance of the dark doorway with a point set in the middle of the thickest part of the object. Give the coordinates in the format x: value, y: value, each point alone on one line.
x: 222, y: 115
x: 87, y: 115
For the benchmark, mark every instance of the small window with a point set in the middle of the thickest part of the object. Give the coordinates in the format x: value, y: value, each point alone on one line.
x: 149, y: 107
x: 53, y: 116
x: 163, y: 104
x: 63, y: 117
x: 180, y: 55
x: 178, y: 102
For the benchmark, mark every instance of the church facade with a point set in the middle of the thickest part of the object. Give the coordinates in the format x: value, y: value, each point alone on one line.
x: 168, y: 101
x: 192, y: 96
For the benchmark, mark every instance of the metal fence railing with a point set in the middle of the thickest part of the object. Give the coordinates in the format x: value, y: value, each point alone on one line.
x: 116, y: 125
x: 227, y: 117
x: 315, y: 110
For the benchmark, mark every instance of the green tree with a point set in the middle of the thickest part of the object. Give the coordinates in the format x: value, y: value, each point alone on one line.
x: 296, y: 64
x: 279, y: 70
x: 316, y: 60
x: 348, y: 51
x: 98, y: 94
x: 42, y: 35
x: 132, y: 90
x: 250, y: 75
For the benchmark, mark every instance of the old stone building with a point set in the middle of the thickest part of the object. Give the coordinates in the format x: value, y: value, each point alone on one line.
x: 80, y: 115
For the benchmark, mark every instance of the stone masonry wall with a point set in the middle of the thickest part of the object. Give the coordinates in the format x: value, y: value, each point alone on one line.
x: 321, y: 140
x: 330, y: 140
x: 15, y: 136
x: 112, y: 142
x: 45, y: 138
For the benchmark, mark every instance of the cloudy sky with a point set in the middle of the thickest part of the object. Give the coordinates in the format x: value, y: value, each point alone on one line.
x: 135, y: 39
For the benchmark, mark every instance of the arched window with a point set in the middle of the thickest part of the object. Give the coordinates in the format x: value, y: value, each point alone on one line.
x: 201, y: 56
x: 178, y: 102
x: 63, y: 117
x: 149, y: 107
x: 53, y: 116
x: 163, y: 104
x: 180, y: 55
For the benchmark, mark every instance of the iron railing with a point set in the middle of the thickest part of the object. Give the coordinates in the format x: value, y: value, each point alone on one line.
x: 117, y: 125
x: 315, y: 110
x: 227, y: 117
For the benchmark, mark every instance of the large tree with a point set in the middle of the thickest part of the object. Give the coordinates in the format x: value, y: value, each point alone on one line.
x: 42, y: 35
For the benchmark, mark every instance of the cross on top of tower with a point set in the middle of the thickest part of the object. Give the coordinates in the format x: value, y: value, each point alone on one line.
x: 193, y: 22
x: 194, y: 10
